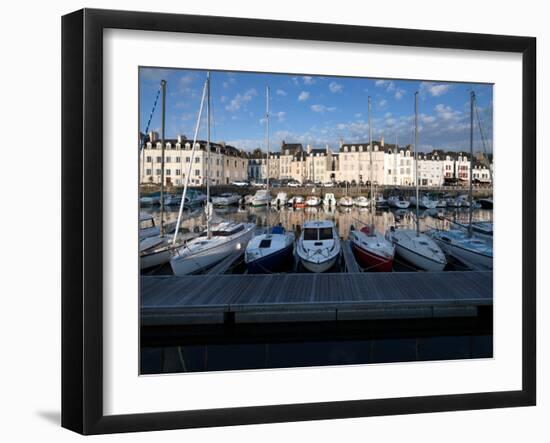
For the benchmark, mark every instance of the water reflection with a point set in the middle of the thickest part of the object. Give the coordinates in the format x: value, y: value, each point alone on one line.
x: 344, y: 218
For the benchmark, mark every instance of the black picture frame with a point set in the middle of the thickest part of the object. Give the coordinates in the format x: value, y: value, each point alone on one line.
x: 82, y: 189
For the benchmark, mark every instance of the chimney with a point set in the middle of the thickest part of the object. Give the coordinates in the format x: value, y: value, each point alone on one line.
x: 309, y: 149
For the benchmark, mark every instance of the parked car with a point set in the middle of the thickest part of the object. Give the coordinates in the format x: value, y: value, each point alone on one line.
x: 241, y: 184
x: 328, y: 184
x: 293, y: 183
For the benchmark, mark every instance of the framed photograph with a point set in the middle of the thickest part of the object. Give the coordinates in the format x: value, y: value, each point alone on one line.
x: 269, y: 221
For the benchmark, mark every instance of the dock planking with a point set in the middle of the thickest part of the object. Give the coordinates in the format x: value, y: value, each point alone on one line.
x: 211, y: 298
x: 349, y: 259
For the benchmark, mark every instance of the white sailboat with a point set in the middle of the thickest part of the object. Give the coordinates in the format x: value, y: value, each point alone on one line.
x: 474, y: 251
x: 319, y: 246
x: 361, y: 202
x: 414, y: 246
x: 345, y: 201
x: 217, y: 242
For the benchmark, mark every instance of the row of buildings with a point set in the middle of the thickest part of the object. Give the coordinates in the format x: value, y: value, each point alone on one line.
x: 391, y: 164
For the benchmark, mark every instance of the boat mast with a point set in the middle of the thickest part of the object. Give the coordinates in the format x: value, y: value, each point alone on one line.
x: 208, y: 204
x: 370, y: 160
x: 189, y: 168
x: 415, y: 158
x: 472, y: 100
x: 267, y: 134
x: 162, y: 141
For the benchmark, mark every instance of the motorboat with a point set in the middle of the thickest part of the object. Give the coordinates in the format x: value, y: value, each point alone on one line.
x: 417, y: 248
x: 261, y: 198
x: 346, y: 201
x: 473, y: 251
x: 269, y: 252
x: 319, y: 246
x: 372, y: 250
x: 226, y: 199
x: 298, y: 201
x: 329, y: 200
x: 361, y: 202
x: 313, y: 200
x: 280, y: 200
x: 398, y: 201
x: 206, y: 250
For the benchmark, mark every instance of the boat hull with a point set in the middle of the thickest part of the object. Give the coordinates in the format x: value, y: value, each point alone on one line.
x: 202, y: 260
x: 370, y: 260
x: 154, y: 259
x: 319, y: 267
x: 274, y: 262
x: 419, y: 260
x: 472, y: 259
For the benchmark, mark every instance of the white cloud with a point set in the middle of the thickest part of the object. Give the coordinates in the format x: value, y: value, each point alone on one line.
x: 399, y: 94
x: 223, y: 98
x: 382, y: 103
x: 308, y: 80
x: 240, y: 99
x: 281, y: 92
x: 335, y: 87
x: 322, y: 108
x: 434, y: 89
x: 230, y: 81
x: 304, y: 95
x: 358, y: 115
x: 388, y: 85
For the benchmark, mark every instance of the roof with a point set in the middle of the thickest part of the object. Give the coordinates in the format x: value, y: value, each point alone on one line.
x: 318, y: 224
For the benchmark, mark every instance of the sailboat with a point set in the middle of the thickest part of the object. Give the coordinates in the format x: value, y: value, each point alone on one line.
x: 414, y: 246
x: 425, y: 202
x: 372, y: 251
x: 361, y: 202
x: 474, y: 251
x: 271, y: 251
x: 217, y: 242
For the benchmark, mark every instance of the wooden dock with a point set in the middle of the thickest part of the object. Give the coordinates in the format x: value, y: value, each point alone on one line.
x: 216, y: 299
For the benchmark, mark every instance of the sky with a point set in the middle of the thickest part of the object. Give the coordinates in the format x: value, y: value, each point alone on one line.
x: 316, y: 110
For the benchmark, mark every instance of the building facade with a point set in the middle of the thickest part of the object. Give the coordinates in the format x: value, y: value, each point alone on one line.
x: 227, y: 163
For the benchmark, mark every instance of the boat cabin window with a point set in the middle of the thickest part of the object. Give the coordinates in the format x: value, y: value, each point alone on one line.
x: 265, y: 243
x: 310, y: 234
x: 325, y: 233
x: 228, y: 233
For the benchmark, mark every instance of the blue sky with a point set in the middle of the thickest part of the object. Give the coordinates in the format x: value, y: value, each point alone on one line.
x: 313, y: 109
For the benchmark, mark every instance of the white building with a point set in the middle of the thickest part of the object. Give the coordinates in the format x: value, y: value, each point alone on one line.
x: 227, y: 163
x: 430, y: 169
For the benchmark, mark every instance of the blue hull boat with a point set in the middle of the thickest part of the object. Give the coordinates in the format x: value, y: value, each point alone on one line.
x: 270, y: 253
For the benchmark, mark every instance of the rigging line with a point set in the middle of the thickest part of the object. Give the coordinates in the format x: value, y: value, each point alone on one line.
x: 150, y: 118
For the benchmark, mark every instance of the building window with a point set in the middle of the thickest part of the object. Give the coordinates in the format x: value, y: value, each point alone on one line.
x: 148, y: 172
x: 158, y: 172
x: 149, y: 159
x: 187, y: 159
x: 197, y: 159
x: 178, y: 159
x: 168, y: 159
x: 159, y: 159
x: 178, y: 172
x: 197, y: 172
x: 168, y: 172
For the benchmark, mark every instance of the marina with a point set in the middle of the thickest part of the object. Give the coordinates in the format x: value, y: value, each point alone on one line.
x: 372, y: 236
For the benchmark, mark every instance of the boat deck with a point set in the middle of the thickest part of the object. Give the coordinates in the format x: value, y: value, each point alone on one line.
x: 245, y: 298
